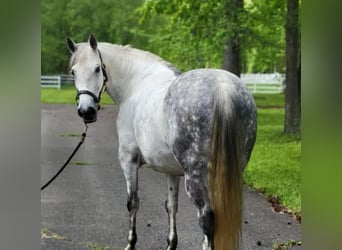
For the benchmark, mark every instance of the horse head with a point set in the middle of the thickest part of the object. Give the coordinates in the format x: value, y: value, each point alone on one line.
x: 90, y: 76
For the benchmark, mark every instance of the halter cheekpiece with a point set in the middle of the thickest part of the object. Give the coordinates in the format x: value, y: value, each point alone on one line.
x: 97, y: 99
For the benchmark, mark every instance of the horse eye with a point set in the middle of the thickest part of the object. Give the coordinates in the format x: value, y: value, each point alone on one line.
x: 72, y: 72
x: 97, y: 69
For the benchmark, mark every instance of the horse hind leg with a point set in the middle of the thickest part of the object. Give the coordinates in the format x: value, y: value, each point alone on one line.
x: 197, y: 191
x: 171, y: 206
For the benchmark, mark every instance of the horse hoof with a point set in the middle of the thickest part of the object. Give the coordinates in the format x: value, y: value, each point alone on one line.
x: 129, y: 247
x: 205, y: 244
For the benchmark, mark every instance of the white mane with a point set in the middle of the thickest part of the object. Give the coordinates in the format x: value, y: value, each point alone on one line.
x: 145, y: 55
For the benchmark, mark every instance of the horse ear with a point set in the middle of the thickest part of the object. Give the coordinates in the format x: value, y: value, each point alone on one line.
x: 92, y: 41
x: 72, y: 47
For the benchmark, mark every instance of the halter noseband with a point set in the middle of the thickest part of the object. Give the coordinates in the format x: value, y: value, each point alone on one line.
x: 97, y: 99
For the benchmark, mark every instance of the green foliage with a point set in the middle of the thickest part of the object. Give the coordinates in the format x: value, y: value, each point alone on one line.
x: 191, y: 36
x: 188, y: 33
x: 194, y: 32
x: 54, y: 25
x: 110, y: 20
x: 264, y: 37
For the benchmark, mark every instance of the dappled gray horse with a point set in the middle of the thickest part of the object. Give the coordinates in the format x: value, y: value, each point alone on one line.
x: 200, y: 124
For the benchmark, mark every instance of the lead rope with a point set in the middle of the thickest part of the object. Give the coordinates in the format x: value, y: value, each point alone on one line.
x: 84, y: 134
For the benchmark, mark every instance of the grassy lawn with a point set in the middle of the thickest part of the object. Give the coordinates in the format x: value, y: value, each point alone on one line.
x: 67, y: 95
x: 270, y: 100
x: 275, y: 165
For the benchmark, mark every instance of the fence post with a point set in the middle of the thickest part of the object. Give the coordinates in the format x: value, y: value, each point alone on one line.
x: 59, y: 82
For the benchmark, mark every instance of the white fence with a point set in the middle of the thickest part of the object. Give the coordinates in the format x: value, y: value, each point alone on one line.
x: 55, y: 81
x: 272, y: 83
x: 50, y: 81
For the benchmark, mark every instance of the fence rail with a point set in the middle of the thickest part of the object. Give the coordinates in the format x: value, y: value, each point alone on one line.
x: 67, y: 79
x: 50, y: 81
x: 264, y: 83
x: 257, y: 83
x: 55, y: 81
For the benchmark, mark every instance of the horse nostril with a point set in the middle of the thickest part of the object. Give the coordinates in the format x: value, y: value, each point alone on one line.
x: 88, y: 115
x: 90, y: 112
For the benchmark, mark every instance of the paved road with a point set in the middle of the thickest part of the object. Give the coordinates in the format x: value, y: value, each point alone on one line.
x: 86, y: 205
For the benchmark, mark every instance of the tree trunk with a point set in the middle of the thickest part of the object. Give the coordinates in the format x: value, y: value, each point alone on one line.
x: 231, y: 56
x: 231, y: 50
x: 293, y: 82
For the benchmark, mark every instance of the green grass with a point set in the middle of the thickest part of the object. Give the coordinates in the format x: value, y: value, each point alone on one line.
x: 271, y: 100
x: 66, y: 95
x: 45, y: 233
x: 274, y: 167
x: 286, y: 245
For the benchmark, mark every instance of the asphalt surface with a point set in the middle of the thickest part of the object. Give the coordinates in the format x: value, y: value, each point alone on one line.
x: 85, y: 207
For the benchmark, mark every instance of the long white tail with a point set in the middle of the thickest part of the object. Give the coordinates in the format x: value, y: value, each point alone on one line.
x: 225, y: 174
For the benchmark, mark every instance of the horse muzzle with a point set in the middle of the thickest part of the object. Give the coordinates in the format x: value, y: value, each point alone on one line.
x: 87, y: 107
x: 89, y: 114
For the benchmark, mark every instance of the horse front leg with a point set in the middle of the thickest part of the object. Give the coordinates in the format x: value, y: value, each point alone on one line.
x: 171, y: 206
x: 130, y: 162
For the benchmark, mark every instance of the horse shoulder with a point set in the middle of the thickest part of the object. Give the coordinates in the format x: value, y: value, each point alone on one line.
x: 124, y: 125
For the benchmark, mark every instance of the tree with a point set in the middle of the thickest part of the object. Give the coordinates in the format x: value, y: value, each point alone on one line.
x: 188, y: 33
x: 231, y: 51
x: 54, y: 28
x: 191, y: 34
x: 195, y: 34
x: 110, y: 20
x: 293, y: 82
x: 263, y: 37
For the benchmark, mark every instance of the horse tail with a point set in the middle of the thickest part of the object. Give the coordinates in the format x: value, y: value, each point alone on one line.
x: 225, y: 172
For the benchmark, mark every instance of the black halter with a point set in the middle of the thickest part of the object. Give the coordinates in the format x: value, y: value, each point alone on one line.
x: 97, y: 99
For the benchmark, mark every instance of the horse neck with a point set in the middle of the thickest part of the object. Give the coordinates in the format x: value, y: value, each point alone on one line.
x: 130, y: 70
